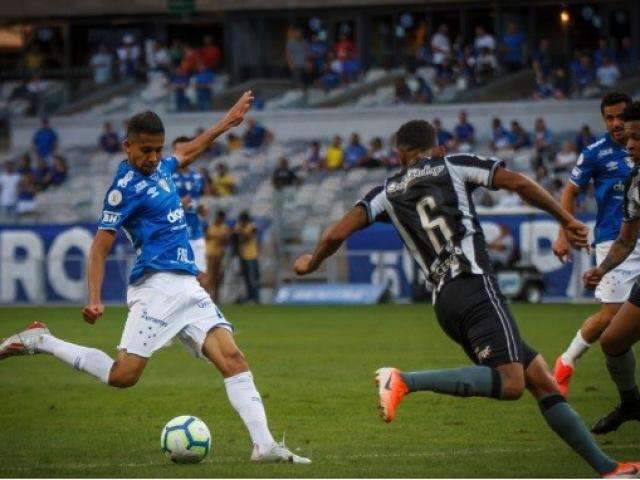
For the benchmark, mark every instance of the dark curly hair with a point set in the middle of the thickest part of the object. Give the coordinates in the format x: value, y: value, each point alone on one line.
x: 416, y: 134
x: 632, y: 112
x: 614, y: 98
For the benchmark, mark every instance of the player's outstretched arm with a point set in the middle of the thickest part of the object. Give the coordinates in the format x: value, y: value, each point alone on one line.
x: 575, y: 231
x: 620, y: 249
x: 330, y: 241
x: 187, y: 152
x: 100, y: 248
x: 561, y: 247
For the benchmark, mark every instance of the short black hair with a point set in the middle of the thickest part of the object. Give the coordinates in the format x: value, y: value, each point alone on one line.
x: 632, y: 112
x: 416, y: 134
x: 614, y: 98
x: 221, y: 214
x: 244, y: 216
x: 145, y: 122
x: 181, y: 139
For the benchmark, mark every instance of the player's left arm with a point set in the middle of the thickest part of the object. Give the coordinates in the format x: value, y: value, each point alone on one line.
x: 536, y: 196
x: 331, y: 240
x: 187, y: 152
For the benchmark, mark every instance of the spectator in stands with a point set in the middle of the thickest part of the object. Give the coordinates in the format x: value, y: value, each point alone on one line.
x: 402, y: 91
x: 9, y: 182
x: 26, y: 203
x: 483, y: 39
x: 41, y: 173
x: 284, y: 176
x: 444, y: 137
x: 176, y: 53
x: 109, y: 141
x: 355, y: 153
x: 256, y: 136
x: 518, y: 137
x: 464, y: 133
x: 584, y: 138
x: 513, y: 45
x: 102, y: 65
x: 179, y: 84
x: 544, y: 87
x: 440, y: 46
x: 217, y: 238
x: 297, y: 51
x: 542, y: 142
x: 608, y: 73
x: 603, y: 51
x: 160, y: 60
x: 565, y: 158
x: 129, y: 57
x: 224, y: 184
x: 206, y: 180
x: 561, y: 84
x: 203, y: 82
x: 486, y: 66
x: 344, y: 47
x: 331, y: 73
x: 247, y: 234
x: 24, y: 164
x: 210, y: 54
x: 234, y: 142
x: 313, y: 160
x: 35, y: 89
x: 542, y: 58
x: 335, y: 154
x: 626, y: 58
x: 584, y: 76
x: 445, y: 74
x: 499, y: 136
x: 190, y: 60
x: 351, y: 68
x: 318, y: 50
x: 57, y: 174
x: 376, y: 157
x: 419, y: 90
x: 45, y: 140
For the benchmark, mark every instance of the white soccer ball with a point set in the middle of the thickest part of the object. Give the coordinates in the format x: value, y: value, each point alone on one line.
x: 185, y: 439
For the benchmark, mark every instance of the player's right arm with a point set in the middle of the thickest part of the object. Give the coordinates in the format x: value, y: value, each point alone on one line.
x: 100, y: 248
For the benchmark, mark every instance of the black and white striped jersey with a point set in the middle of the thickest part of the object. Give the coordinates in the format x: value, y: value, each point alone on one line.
x: 632, y: 196
x: 431, y: 206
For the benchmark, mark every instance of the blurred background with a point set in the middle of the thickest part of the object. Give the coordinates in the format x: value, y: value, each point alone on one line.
x: 333, y: 79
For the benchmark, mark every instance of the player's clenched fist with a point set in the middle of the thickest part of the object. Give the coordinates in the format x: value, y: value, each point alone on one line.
x: 92, y: 312
x: 592, y: 277
x: 302, y: 265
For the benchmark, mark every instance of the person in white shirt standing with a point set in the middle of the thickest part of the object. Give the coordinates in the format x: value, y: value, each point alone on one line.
x: 9, y: 181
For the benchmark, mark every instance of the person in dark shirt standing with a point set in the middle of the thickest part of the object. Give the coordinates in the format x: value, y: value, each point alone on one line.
x: 45, y: 140
x: 283, y: 175
x: 256, y: 136
x: 109, y: 141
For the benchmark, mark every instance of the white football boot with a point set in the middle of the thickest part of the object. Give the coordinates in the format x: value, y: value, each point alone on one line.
x: 277, y: 453
x: 25, y: 342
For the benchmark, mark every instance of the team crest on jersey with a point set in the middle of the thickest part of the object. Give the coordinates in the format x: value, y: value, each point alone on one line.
x: 612, y: 166
x: 164, y: 185
x: 114, y: 197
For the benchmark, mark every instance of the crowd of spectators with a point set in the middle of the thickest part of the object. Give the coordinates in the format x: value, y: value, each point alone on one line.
x: 34, y: 172
x: 314, y: 61
x: 587, y: 74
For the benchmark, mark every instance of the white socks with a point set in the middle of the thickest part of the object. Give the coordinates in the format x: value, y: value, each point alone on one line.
x: 90, y: 360
x: 246, y: 400
x: 576, y: 349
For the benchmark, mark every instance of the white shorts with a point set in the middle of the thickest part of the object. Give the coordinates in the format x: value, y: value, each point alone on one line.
x: 199, y: 253
x: 164, y: 305
x: 616, y: 285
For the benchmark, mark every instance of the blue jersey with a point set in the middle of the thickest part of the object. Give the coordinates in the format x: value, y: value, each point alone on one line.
x: 191, y: 183
x: 149, y: 211
x: 609, y: 165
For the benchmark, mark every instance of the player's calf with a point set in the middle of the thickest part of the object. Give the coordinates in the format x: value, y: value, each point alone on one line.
x: 513, y: 382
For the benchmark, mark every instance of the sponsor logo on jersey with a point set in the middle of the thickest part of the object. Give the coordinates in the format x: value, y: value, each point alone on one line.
x: 153, y: 192
x: 110, y: 218
x: 612, y: 166
x: 597, y: 143
x: 618, y: 187
x: 483, y: 354
x: 124, y: 181
x: 148, y: 318
x: 605, y: 152
x: 164, y: 185
x: 205, y: 303
x: 114, y: 197
x: 576, y: 172
x: 140, y: 186
x: 175, y: 215
x: 414, y: 174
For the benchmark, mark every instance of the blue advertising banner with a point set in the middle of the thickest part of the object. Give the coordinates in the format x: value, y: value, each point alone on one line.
x: 376, y: 254
x: 330, y: 294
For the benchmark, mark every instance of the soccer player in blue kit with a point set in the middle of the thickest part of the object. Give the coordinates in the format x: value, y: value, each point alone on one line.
x: 190, y: 186
x: 164, y: 297
x: 607, y: 163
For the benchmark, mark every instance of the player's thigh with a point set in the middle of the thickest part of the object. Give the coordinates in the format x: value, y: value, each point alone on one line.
x: 220, y: 348
x: 623, y: 331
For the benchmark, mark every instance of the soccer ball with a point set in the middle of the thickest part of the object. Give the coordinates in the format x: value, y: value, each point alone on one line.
x: 185, y: 439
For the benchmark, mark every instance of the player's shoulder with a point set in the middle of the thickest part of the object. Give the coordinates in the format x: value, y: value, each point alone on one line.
x: 468, y: 160
x: 128, y: 182
x: 594, y: 149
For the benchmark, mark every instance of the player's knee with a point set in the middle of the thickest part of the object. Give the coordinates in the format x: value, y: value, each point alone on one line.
x: 611, y: 345
x: 512, y: 387
x: 234, y: 362
x: 123, y: 379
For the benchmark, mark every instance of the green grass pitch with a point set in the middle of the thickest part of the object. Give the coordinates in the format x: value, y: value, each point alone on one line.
x: 313, y: 366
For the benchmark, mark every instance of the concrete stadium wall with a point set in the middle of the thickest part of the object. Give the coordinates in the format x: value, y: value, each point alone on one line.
x: 287, y: 125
